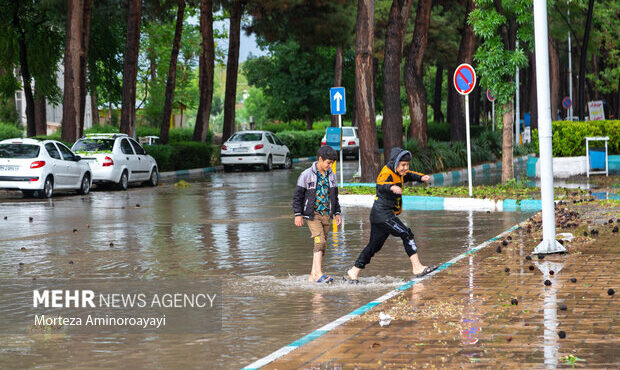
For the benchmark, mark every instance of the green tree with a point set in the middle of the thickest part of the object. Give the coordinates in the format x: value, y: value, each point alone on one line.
x: 498, y: 25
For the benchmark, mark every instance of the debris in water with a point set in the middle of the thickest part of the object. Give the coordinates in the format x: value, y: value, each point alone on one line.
x: 562, y: 307
x: 573, y: 280
x: 514, y: 302
x: 111, y: 244
x: 75, y: 231
x: 137, y: 205
x: 541, y: 256
x: 30, y: 219
x: 507, y: 269
x: 528, y: 257
x: 374, y: 345
x: 499, y: 249
x: 384, y: 319
x: 71, y: 262
x: 551, y: 272
x: 585, y: 233
x: 509, y: 339
x: 615, y: 229
x: 23, y: 248
x: 505, y: 243
x: 547, y: 282
x: 611, y: 291
x: 531, y: 268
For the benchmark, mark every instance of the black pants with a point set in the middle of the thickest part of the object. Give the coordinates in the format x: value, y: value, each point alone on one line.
x: 378, y: 235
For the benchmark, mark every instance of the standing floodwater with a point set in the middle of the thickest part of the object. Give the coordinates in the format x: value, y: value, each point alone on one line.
x: 237, y: 227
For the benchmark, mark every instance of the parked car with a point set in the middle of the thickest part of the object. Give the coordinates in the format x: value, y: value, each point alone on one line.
x: 249, y: 148
x: 42, y: 167
x: 117, y: 159
x: 350, y: 142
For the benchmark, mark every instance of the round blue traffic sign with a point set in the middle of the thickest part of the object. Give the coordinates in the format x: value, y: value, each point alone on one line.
x: 490, y: 96
x: 464, y: 79
x: 566, y: 102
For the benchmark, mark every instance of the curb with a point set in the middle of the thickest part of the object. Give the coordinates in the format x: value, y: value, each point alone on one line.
x: 367, y: 307
x: 422, y: 203
x: 454, y: 177
x: 200, y: 173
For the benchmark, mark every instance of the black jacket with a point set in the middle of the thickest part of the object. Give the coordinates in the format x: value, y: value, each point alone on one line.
x: 388, y: 204
x: 305, y: 193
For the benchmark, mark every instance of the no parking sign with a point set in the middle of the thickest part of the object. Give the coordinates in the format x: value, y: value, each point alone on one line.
x: 464, y: 79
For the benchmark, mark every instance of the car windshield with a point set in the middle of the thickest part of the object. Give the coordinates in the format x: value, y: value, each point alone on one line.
x: 248, y: 136
x: 19, y: 151
x: 347, y: 131
x: 93, y: 145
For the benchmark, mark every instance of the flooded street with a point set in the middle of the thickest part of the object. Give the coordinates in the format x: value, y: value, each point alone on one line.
x: 237, y: 227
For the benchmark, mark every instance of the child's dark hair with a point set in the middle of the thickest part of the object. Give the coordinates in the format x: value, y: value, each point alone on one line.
x: 327, y: 152
x: 405, y: 158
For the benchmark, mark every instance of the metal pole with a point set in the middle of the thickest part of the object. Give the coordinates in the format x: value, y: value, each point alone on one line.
x: 493, y: 114
x: 517, y: 112
x: 468, y: 144
x: 549, y: 244
x: 570, y: 72
x: 341, y: 175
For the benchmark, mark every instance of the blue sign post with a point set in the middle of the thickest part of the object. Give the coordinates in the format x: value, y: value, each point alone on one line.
x: 338, y: 105
x: 337, y: 100
x: 464, y: 83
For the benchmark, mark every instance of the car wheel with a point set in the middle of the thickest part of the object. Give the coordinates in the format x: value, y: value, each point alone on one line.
x: 269, y: 165
x: 123, y: 183
x: 85, y: 187
x: 154, y: 179
x: 288, y: 162
x: 48, y: 188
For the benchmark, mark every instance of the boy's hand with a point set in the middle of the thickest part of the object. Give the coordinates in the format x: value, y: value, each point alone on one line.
x: 299, y: 221
x: 426, y: 178
x: 338, y: 220
x: 396, y: 189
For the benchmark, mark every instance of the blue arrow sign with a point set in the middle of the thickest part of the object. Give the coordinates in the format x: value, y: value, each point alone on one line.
x: 337, y: 100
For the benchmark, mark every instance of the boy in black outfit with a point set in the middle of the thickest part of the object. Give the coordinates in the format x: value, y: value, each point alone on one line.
x: 383, y: 216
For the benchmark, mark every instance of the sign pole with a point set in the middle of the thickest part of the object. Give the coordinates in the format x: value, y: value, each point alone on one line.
x: 493, y: 114
x: 341, y: 175
x: 548, y: 244
x: 517, y: 112
x: 570, y: 68
x: 468, y: 145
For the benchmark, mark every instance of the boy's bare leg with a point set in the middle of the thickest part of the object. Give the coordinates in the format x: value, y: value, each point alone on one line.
x: 354, y: 272
x: 416, y: 266
x: 316, y: 272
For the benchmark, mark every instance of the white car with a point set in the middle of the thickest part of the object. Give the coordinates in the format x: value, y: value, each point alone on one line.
x: 248, y: 148
x: 350, y: 142
x: 42, y: 167
x: 117, y: 159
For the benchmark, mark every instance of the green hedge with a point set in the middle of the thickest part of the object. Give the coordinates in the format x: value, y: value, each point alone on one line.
x: 568, y: 137
x: 176, y: 134
x: 10, y: 131
x: 183, y: 155
x: 302, y: 143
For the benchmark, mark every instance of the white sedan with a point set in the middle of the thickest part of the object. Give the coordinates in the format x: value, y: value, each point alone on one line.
x: 42, y: 167
x: 117, y: 159
x: 249, y: 148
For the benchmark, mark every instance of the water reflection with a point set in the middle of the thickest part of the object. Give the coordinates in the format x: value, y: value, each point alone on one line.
x: 550, y: 321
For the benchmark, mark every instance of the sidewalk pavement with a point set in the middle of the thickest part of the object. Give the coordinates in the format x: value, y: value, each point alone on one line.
x: 463, y: 316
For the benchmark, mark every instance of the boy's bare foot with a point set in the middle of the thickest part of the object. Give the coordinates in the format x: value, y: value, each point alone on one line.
x: 315, y: 276
x: 353, y: 273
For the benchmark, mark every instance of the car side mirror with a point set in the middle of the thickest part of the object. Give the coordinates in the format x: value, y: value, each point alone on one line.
x: 77, y: 158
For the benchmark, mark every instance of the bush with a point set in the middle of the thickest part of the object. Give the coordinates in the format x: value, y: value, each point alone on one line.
x: 175, y: 135
x: 182, y: 155
x: 568, y: 137
x: 9, y: 131
x: 296, y: 125
x: 302, y: 143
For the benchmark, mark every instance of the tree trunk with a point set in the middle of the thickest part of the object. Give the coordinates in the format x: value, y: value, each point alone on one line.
x: 337, y: 76
x: 40, y: 113
x: 172, y: 74
x: 465, y: 55
x: 507, y: 168
x: 416, y: 93
x: 364, y: 102
x: 73, y: 50
x: 309, y: 122
x: 554, y: 77
x: 437, y: 114
x: 392, y: 124
x: 130, y: 68
x: 88, y: 6
x: 93, y: 108
x: 475, y: 96
x: 582, y: 62
x: 206, y: 71
x: 232, y: 67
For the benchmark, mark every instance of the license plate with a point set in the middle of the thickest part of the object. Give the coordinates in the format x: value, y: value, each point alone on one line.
x: 9, y: 168
x: 242, y: 149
